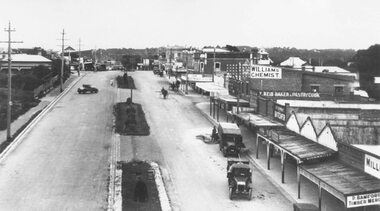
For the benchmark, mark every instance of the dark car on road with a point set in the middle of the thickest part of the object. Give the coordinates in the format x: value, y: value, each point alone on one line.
x: 87, y: 88
x: 230, y: 139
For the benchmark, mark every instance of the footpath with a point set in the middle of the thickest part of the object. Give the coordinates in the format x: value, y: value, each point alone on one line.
x: 309, y: 191
x: 44, y: 101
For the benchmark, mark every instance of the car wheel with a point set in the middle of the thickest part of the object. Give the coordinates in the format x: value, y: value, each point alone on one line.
x: 230, y: 193
x: 250, y: 194
x: 224, y: 152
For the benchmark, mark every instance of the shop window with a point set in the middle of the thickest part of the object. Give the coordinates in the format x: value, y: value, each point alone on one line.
x: 217, y: 65
x: 314, y: 88
x: 202, y: 66
x: 338, y: 90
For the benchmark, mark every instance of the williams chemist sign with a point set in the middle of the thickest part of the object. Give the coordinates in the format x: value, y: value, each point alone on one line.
x: 372, y: 165
x: 266, y: 72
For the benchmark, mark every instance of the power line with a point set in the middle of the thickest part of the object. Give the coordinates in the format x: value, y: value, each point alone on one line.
x: 9, y: 104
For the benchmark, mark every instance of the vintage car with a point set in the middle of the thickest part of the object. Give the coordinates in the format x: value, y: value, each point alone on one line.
x: 239, y: 175
x: 230, y: 139
x: 87, y: 88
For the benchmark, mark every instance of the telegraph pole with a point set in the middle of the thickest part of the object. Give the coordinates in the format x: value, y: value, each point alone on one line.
x: 79, y: 53
x: 213, y: 70
x: 62, y: 58
x: 239, y: 89
x: 9, y: 104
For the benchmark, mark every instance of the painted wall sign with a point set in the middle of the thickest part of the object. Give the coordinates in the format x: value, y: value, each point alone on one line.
x: 372, y: 166
x: 279, y: 113
x: 289, y: 94
x: 363, y: 200
x: 266, y: 72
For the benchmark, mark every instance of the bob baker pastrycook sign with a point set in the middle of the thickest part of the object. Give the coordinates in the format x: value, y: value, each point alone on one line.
x: 265, y: 72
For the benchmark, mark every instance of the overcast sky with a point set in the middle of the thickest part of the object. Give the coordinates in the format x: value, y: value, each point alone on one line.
x: 320, y: 24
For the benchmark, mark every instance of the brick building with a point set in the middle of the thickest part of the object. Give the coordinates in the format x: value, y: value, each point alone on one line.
x: 291, y: 84
x: 204, y: 60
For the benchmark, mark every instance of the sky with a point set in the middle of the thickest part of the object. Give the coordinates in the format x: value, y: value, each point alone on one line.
x: 306, y: 24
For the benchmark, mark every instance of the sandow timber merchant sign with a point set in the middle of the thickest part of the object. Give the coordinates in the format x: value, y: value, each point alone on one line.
x: 363, y: 200
x: 265, y: 72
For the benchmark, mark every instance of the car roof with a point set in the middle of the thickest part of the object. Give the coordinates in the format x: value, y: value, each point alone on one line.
x: 229, y: 128
x: 240, y: 166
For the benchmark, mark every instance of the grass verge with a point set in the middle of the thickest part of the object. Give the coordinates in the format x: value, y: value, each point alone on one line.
x: 130, y: 119
x: 132, y: 171
x: 125, y: 84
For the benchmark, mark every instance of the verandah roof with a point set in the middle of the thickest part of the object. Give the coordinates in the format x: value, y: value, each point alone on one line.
x: 296, y: 145
x: 343, y: 178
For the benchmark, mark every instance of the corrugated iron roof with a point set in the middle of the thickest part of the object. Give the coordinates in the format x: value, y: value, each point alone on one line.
x: 26, y: 58
x: 343, y: 178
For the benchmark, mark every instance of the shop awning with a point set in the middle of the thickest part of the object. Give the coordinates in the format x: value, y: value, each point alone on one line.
x: 192, y: 78
x: 299, y: 147
x: 212, y: 88
x: 257, y: 120
x: 232, y: 100
x: 348, y: 184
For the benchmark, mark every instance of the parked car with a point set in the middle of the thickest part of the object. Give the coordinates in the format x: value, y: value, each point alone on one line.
x: 87, y: 88
x: 230, y: 139
x: 239, y: 175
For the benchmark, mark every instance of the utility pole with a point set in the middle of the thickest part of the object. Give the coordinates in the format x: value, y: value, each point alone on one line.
x: 62, y: 58
x: 187, y: 74
x: 95, y: 59
x: 238, y: 91
x: 213, y: 70
x: 79, y: 53
x: 170, y: 61
x: 9, y: 104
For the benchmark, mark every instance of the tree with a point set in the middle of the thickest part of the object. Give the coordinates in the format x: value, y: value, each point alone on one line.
x: 130, y: 61
x: 368, y: 64
x: 232, y: 48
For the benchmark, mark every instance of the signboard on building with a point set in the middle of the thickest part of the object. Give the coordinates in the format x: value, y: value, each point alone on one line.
x: 372, y: 166
x: 196, y: 78
x: 289, y: 94
x: 265, y: 72
x: 363, y: 200
x: 279, y: 113
x: 146, y: 62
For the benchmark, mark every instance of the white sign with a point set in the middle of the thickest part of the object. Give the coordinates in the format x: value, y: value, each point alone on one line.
x: 197, y: 77
x: 289, y: 94
x: 372, y: 166
x: 266, y: 72
x: 363, y: 200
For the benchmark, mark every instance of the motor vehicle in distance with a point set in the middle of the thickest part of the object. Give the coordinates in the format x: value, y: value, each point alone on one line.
x: 230, y: 139
x: 87, y: 88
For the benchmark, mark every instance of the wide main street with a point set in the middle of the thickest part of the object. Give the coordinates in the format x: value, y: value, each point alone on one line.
x: 194, y: 172
x: 63, y: 163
